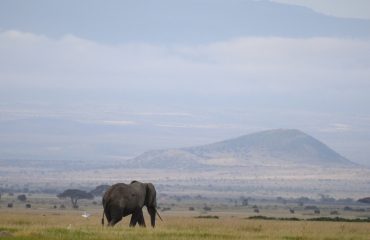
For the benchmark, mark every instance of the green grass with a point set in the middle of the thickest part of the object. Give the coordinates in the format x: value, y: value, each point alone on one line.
x: 60, y: 225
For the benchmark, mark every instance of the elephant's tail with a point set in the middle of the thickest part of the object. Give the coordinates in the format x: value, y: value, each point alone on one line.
x: 102, y: 219
x: 158, y: 214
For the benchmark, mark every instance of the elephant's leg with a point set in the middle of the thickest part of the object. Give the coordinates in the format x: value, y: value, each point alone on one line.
x: 134, y: 219
x: 152, y: 211
x: 137, y: 217
x: 108, y: 216
x: 141, y: 220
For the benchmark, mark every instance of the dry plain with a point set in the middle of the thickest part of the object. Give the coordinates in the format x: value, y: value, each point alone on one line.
x: 47, y: 223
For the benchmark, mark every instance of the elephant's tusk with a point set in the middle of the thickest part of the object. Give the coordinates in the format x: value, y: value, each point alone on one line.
x: 158, y: 215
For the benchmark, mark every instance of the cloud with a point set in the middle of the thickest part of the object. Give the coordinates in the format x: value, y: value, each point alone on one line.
x: 198, y: 126
x: 170, y: 114
x: 242, y: 65
x: 312, y: 74
x: 119, y: 122
x: 337, y: 127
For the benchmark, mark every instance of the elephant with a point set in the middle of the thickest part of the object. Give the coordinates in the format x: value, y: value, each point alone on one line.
x: 123, y: 199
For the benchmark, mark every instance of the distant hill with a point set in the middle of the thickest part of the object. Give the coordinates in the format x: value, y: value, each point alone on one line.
x: 281, y: 147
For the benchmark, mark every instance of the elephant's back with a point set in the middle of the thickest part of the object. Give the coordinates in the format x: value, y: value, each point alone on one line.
x: 115, y: 191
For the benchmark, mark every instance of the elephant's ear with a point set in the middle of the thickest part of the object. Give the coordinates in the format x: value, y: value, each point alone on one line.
x: 150, y: 197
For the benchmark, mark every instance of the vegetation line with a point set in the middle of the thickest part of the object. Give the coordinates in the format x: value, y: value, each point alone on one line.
x: 328, y: 219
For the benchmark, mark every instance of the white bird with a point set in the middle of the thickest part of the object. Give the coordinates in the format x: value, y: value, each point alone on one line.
x: 86, y: 215
x: 69, y: 227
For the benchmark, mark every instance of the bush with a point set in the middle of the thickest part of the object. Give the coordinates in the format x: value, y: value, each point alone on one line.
x: 208, y: 216
x: 22, y: 198
x: 346, y: 208
x: 311, y: 208
x: 206, y: 208
x: 339, y: 219
x: 166, y: 209
x: 335, y: 219
x: 260, y: 217
x: 334, y: 212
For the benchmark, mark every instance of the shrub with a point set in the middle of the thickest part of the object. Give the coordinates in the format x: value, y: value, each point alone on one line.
x: 208, y: 216
x: 339, y: 219
x: 312, y: 207
x: 206, y: 208
x: 22, y: 198
x: 346, y: 208
x: 260, y: 217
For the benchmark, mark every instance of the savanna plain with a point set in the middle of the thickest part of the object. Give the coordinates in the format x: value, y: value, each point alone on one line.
x: 47, y: 223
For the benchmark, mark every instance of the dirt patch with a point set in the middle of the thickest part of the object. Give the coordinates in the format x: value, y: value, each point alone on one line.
x: 5, y: 234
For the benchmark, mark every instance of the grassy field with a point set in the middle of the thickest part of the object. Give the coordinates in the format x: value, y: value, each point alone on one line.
x: 55, y: 224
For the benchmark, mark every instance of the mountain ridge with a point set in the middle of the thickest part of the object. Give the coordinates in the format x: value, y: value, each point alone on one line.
x: 170, y: 22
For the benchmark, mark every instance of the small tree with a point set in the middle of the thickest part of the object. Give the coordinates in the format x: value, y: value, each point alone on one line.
x: 75, y: 195
x: 244, y: 201
x: 100, y: 190
x: 207, y: 208
x: 22, y: 198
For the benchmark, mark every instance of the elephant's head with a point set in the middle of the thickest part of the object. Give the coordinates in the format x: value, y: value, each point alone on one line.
x: 151, y: 202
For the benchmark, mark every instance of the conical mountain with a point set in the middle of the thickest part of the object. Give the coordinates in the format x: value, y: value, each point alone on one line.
x: 280, y: 147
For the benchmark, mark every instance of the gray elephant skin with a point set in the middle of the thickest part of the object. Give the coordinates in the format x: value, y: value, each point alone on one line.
x: 122, y: 199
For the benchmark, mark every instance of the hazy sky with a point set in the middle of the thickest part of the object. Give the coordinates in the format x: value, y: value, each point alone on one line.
x: 69, y: 63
